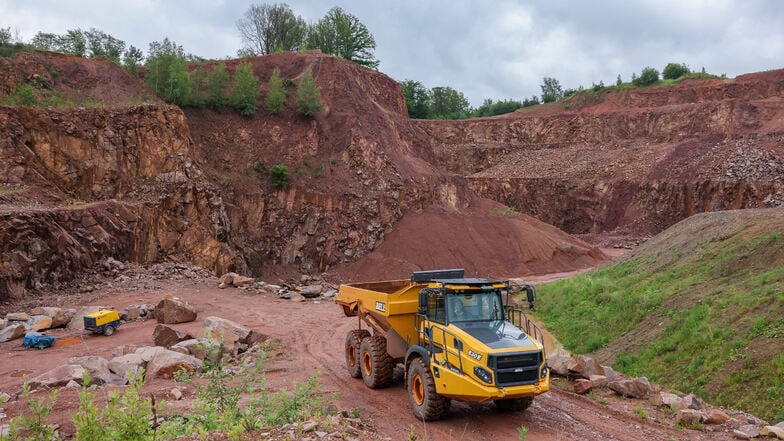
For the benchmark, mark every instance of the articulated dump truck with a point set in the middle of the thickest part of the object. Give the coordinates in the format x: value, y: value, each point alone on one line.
x: 457, y: 338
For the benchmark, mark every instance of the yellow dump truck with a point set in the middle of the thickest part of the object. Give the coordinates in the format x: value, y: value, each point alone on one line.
x: 457, y: 338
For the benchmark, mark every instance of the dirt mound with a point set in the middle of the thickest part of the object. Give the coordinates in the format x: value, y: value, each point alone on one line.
x: 484, y: 239
x: 84, y: 82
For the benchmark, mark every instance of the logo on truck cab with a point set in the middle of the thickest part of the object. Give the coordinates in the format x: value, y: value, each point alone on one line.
x: 474, y: 355
x: 381, y: 306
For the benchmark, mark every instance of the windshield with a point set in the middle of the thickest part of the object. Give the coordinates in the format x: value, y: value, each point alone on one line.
x: 483, y: 306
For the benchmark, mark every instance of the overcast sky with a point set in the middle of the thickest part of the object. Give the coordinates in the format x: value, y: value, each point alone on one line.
x: 486, y: 49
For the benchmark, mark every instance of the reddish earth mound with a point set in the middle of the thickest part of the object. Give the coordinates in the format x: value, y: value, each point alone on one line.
x: 484, y: 239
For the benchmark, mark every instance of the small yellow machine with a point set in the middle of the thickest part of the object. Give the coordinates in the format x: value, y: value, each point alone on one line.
x: 456, y: 337
x: 104, y: 321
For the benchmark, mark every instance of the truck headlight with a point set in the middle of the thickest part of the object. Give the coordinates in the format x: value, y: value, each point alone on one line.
x: 544, y: 371
x: 483, y: 374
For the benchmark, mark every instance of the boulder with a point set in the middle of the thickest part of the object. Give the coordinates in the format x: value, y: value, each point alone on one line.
x: 311, y: 291
x: 670, y: 400
x: 166, y: 363
x: 167, y: 336
x: 689, y: 417
x: 98, y: 367
x: 716, y: 416
x: 747, y: 431
x: 234, y: 279
x: 776, y: 431
x: 124, y: 350
x: 60, y: 316
x: 558, y: 365
x: 17, y: 317
x: 176, y: 393
x: 330, y: 293
x: 582, y: 386
x: 632, y: 388
x: 39, y: 323
x: 130, y: 313
x: 598, y: 381
x: 58, y: 377
x: 12, y: 332
x: 149, y: 352
x: 127, y: 366
x: 225, y: 331
x: 201, y: 349
x: 172, y: 310
x: 582, y: 366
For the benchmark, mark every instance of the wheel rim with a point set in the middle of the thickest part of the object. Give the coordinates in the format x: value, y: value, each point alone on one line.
x: 351, y: 355
x: 418, y: 389
x: 367, y: 363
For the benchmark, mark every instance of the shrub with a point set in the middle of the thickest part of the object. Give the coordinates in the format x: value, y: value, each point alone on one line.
x: 280, y: 176
x: 245, y: 90
x: 674, y: 71
x: 647, y: 77
x: 36, y: 426
x: 308, y: 95
x: 276, y: 96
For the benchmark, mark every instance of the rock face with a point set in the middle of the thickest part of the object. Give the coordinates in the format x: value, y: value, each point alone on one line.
x: 173, y: 310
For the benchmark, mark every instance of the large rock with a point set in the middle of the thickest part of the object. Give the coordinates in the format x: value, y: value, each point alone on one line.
x: 558, y: 365
x: 747, y: 431
x: 716, y: 416
x: 98, y: 367
x: 667, y: 399
x: 173, y: 310
x: 311, y: 291
x: 166, y: 363
x: 60, y: 316
x: 149, y: 352
x: 39, y: 323
x: 598, y: 381
x: 225, y: 331
x: 167, y: 336
x: 127, y: 366
x: 234, y: 279
x: 12, y: 332
x: 17, y: 317
x: 582, y: 366
x: 58, y: 377
x: 202, y: 349
x: 776, y: 431
x: 633, y: 388
x: 689, y: 417
x: 582, y: 386
x: 692, y: 402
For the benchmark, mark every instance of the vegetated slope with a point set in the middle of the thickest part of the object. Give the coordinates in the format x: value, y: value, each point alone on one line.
x: 630, y: 162
x: 698, y: 308
x: 149, y: 183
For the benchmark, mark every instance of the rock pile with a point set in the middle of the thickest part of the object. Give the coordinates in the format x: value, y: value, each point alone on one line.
x: 307, y: 287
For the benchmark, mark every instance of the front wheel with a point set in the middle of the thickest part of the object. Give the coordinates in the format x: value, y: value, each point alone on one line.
x: 353, y: 340
x: 109, y: 330
x: 513, y: 404
x: 426, y: 403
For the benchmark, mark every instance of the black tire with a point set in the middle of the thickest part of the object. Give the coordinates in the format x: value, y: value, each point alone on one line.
x: 353, y: 340
x: 109, y: 330
x: 513, y: 404
x: 376, y: 365
x: 426, y: 403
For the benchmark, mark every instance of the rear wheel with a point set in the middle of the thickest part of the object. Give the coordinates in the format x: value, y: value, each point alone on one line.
x: 376, y: 364
x: 513, y: 404
x: 426, y: 403
x: 353, y: 340
x: 109, y: 330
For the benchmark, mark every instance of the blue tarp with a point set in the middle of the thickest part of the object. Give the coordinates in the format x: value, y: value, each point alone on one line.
x: 36, y: 340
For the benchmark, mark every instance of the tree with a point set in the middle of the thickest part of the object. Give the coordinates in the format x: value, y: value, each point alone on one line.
x: 198, y: 79
x: 266, y: 29
x: 342, y: 34
x: 448, y: 103
x: 308, y: 95
x: 417, y: 99
x: 673, y: 71
x: 245, y: 89
x: 647, y: 77
x: 100, y: 43
x: 618, y: 81
x: 132, y: 60
x: 276, y: 95
x: 73, y: 42
x: 528, y: 102
x: 46, y: 41
x: 217, y: 83
x: 167, y: 71
x: 279, y: 173
x: 490, y: 108
x: 551, y: 90
x: 5, y: 36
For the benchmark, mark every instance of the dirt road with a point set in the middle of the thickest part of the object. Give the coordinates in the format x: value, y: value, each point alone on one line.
x: 311, y: 336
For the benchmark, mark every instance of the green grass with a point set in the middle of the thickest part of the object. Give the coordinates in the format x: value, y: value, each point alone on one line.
x: 709, y: 323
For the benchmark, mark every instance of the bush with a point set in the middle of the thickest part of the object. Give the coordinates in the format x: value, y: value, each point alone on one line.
x: 674, y: 71
x: 245, y: 89
x: 308, y: 95
x: 647, y: 77
x: 280, y: 176
x: 276, y: 97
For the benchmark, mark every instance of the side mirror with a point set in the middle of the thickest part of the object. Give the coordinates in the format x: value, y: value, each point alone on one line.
x: 423, y: 302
